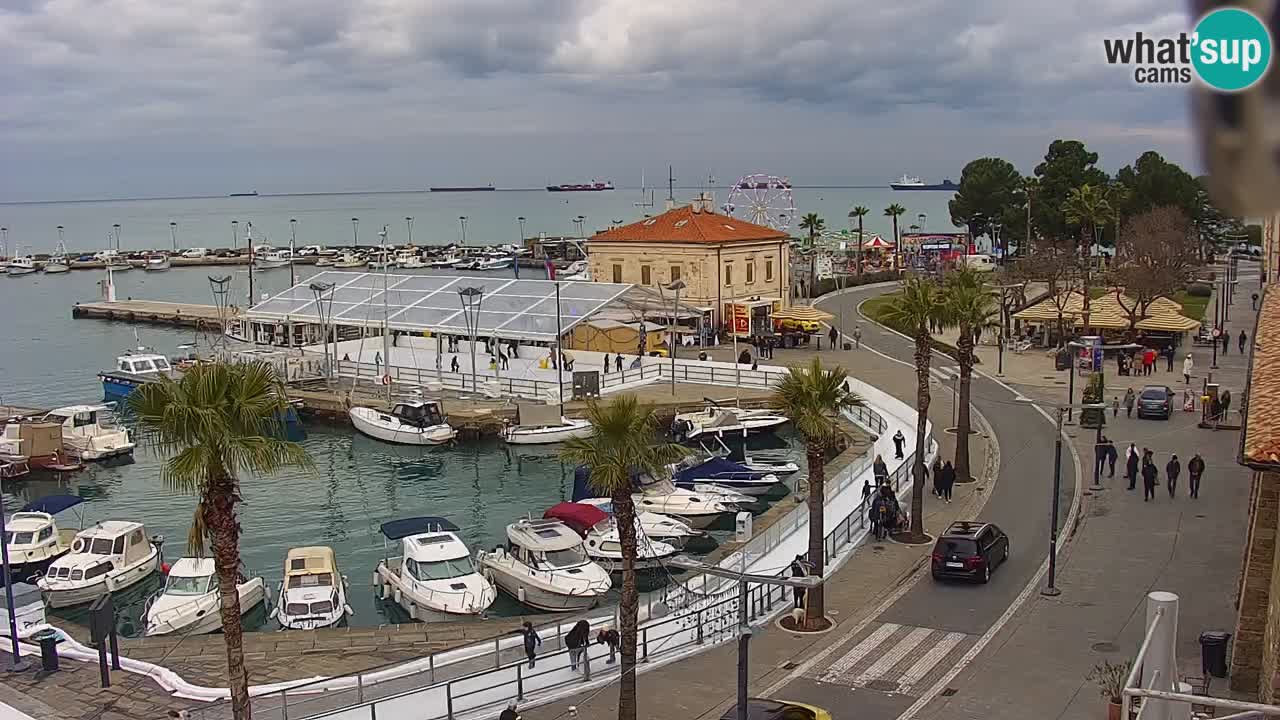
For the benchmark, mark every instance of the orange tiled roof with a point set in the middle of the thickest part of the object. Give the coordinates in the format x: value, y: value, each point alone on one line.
x: 684, y: 225
x: 1262, y: 432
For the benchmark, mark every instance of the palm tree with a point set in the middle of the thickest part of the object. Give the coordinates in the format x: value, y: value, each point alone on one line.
x: 814, y: 225
x: 913, y: 310
x: 218, y: 422
x: 623, y: 445
x: 1087, y: 207
x: 813, y: 398
x: 893, y: 211
x: 859, y: 212
x: 968, y: 305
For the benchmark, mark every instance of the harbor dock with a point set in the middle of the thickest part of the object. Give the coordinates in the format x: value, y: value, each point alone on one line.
x: 149, y: 311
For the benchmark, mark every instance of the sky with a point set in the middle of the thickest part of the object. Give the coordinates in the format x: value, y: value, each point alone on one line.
x: 145, y: 98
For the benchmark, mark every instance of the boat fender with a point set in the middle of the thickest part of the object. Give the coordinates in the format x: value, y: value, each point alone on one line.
x: 397, y: 596
x: 413, y: 611
x: 347, y: 609
x: 164, y: 568
x: 520, y: 593
x: 374, y: 581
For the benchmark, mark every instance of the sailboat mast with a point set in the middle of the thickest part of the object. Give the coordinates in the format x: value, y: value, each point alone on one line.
x: 386, y: 318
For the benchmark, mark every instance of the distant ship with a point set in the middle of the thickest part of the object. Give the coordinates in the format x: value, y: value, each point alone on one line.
x: 910, y: 182
x: 591, y: 187
x: 464, y: 188
x: 251, y: 193
x: 784, y: 184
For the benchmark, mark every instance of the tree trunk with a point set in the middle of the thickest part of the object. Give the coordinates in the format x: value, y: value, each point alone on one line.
x: 629, y: 604
x: 860, y: 238
x: 220, y: 521
x: 965, y: 346
x: 922, y: 357
x: 1084, y: 279
x: 814, y: 601
x: 895, y: 242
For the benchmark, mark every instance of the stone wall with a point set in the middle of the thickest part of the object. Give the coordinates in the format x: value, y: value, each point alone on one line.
x: 1254, y: 652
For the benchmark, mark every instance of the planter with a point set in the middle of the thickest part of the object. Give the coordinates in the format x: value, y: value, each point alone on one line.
x: 1113, y: 710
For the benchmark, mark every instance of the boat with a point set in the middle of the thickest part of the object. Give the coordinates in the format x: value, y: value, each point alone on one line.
x: 106, y: 558
x: 496, y: 263
x: 156, y: 262
x: 27, y: 609
x: 21, y: 265
x: 463, y: 188
x: 349, y: 260
x: 414, y: 422
x: 603, y: 544
x: 780, y: 185
x: 587, y: 187
x: 251, y: 193
x: 58, y: 262
x: 543, y: 425
x: 35, y: 540
x: 776, y: 462
x: 721, y: 421
x: 89, y: 433
x: 133, y: 369
x: 312, y: 595
x: 911, y: 182
x: 699, y: 509
x: 409, y: 260
x: 664, y: 528
x: 468, y: 264
x: 190, y: 602
x: 273, y: 259
x: 381, y: 259
x: 326, y: 260
x: 447, y: 261
x: 13, y: 467
x: 723, y: 473
x: 433, y: 578
x: 545, y: 566
x: 38, y: 445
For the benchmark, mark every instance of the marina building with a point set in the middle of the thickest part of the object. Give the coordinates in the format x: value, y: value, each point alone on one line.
x: 730, y: 268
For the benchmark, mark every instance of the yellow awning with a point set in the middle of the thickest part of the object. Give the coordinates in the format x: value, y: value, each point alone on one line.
x: 802, y: 312
x: 1047, y: 310
x: 1168, y: 323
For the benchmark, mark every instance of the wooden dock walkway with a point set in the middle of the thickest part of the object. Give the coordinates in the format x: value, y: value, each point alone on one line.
x: 150, y: 311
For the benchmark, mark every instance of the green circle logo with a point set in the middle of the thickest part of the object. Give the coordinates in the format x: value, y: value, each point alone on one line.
x: 1232, y: 49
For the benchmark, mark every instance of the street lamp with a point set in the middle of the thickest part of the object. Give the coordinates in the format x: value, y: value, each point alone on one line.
x: 235, y: 234
x: 578, y: 222
x: 921, y: 218
x: 521, y: 221
x: 462, y: 220
x: 355, y: 231
x: 408, y: 226
x: 293, y: 242
x: 116, y: 229
x: 324, y: 306
x: 676, y: 285
x: 173, y: 234
x: 471, y: 297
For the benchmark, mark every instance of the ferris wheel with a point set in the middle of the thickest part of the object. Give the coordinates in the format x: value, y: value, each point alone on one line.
x: 762, y: 199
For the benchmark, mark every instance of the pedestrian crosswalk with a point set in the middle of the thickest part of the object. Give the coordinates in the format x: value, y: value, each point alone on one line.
x: 944, y: 373
x: 895, y: 658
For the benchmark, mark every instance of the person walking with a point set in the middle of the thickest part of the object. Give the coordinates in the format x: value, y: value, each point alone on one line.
x: 453, y: 364
x: 617, y: 362
x: 1244, y: 341
x: 510, y: 713
x: 1129, y: 399
x: 857, y: 337
x: 899, y: 440
x: 799, y: 568
x: 1115, y: 406
x: 1168, y: 356
x: 937, y: 476
x: 832, y: 335
x: 948, y: 474
x: 1195, y: 470
x: 609, y: 636
x: 1226, y: 341
x: 1188, y: 365
x: 1172, y: 470
x: 531, y: 641
x: 880, y: 470
x: 606, y: 363
x: 502, y: 358
x: 1099, y: 456
x: 866, y: 490
x: 1148, y: 361
x: 1131, y: 465
x: 576, y: 640
x: 1254, y: 298
x: 1149, y: 475
x: 1112, y: 456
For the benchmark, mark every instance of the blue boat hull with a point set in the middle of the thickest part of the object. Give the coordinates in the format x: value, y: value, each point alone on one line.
x: 116, y: 388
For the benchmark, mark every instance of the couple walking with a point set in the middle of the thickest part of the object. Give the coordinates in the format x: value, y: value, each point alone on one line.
x: 944, y: 479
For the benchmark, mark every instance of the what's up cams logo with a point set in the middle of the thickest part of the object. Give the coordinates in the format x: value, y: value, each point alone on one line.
x: 1229, y: 50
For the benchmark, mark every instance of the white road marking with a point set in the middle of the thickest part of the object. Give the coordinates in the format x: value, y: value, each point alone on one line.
x: 859, y: 651
x: 925, y: 664
x: 881, y: 667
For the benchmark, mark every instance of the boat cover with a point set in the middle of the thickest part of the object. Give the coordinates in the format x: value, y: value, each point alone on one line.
x: 532, y: 415
x: 718, y: 468
x: 404, y: 527
x: 52, y: 504
x: 578, y: 516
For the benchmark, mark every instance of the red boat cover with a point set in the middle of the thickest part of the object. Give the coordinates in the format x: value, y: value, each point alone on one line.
x: 579, y: 516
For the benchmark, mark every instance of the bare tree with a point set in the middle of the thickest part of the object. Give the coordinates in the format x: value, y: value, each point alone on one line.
x: 1159, y: 257
x: 1053, y: 264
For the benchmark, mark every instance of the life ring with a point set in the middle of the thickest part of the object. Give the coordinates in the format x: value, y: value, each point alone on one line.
x: 386, y: 379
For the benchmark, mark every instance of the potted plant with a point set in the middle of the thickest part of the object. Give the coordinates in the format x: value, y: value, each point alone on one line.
x: 1110, y: 678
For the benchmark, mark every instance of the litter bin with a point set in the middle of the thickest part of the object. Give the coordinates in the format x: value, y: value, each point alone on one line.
x: 1213, y: 652
x: 48, y: 640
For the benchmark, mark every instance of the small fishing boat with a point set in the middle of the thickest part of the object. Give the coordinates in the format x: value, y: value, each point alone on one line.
x: 409, y: 260
x: 434, y: 578
x: 602, y: 541
x: 89, y: 432
x: 38, y: 444
x: 695, y: 474
x: 326, y: 260
x: 415, y: 422
x: 35, y: 540
x: 156, y: 262
x: 106, y: 558
x: 273, y: 259
x: 381, y: 259
x: 349, y: 260
x: 767, y: 461
x: 497, y: 263
x: 468, y: 264
x: 543, y: 425
x: 312, y: 594
x: 21, y: 265
x: 545, y: 566
x: 447, y: 261
x: 190, y: 602
x: 58, y: 262
x: 132, y: 370
x: 663, y: 528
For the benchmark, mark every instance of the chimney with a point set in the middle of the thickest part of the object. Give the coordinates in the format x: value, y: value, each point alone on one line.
x: 669, y: 204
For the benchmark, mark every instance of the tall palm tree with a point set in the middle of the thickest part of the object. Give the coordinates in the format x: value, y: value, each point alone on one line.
x: 1087, y: 207
x: 968, y: 305
x: 894, y: 211
x: 813, y: 397
x: 860, y: 212
x: 1117, y: 196
x: 216, y: 424
x: 623, y: 444
x: 913, y: 310
x: 814, y: 225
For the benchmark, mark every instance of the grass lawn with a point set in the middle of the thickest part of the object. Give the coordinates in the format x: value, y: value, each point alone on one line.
x: 878, y: 307
x: 1193, y: 306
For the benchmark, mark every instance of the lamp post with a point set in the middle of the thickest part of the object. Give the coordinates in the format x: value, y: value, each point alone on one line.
x: 323, y: 293
x: 521, y: 221
x: 116, y: 229
x: 4, y: 242
x: 235, y: 234
x: 173, y: 234
x: 471, y: 297
x: 677, y: 285
x: 921, y: 220
x: 408, y: 227
x: 355, y: 231
x: 578, y: 221
x: 293, y: 243
x: 462, y: 220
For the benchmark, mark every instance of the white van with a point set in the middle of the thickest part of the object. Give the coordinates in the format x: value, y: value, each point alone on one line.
x: 196, y: 252
x: 977, y: 263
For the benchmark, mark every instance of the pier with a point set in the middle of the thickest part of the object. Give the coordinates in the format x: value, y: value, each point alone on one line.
x: 149, y: 311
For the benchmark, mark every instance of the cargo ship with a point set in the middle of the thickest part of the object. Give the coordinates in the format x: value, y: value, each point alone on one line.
x: 589, y: 187
x: 464, y: 188
x: 910, y: 182
x: 251, y: 193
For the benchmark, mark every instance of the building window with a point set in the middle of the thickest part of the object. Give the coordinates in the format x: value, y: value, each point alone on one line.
x: 617, y: 273
x: 675, y: 273
x: 751, y: 271
x: 646, y: 277
x: 728, y: 275
x: 768, y: 270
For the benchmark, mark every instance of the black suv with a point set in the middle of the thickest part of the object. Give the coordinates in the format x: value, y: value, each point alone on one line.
x: 969, y: 551
x: 1155, y: 401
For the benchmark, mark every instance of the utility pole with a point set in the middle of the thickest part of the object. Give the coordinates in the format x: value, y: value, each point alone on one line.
x: 1051, y: 590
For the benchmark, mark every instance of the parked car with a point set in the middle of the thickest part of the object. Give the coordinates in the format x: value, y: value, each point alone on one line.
x: 309, y: 251
x: 764, y: 709
x: 196, y: 252
x: 969, y: 551
x: 1155, y: 401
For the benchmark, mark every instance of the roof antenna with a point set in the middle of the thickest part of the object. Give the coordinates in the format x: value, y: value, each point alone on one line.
x: 671, y: 188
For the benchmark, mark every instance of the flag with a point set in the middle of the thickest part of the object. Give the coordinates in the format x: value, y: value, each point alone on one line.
x: 551, y: 269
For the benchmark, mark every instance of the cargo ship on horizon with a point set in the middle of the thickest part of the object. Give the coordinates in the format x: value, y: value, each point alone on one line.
x: 911, y: 182
x: 251, y: 193
x: 588, y: 187
x: 463, y: 188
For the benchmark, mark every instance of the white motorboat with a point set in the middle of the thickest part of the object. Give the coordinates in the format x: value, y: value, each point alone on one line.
x: 497, y: 263
x: 89, y: 432
x: 108, y: 557
x: 21, y: 265
x: 273, y: 259
x: 326, y: 260
x: 409, y: 260
x: 408, y: 423
x: 34, y: 538
x: 468, y: 264
x: 700, y: 508
x: 28, y: 609
x: 58, y: 262
x: 156, y: 262
x: 195, y: 253
x: 434, y: 578
x: 349, y: 260
x: 545, y: 566
x: 698, y: 473
x: 190, y: 603
x: 381, y: 259
x: 721, y: 422
x: 543, y: 424
x: 447, y: 261
x: 663, y: 528
x: 312, y: 594
x: 768, y: 461
x: 602, y: 540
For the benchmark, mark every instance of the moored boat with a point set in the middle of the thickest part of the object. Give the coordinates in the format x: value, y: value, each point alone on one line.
x: 190, y: 601
x: 273, y: 259
x: 312, y: 594
x: 433, y: 578
x: 22, y: 265
x: 156, y: 262
x: 35, y: 540
x: 132, y: 370
x: 89, y: 432
x: 109, y: 557
x: 724, y: 473
x: 496, y: 263
x: 602, y: 540
x: 408, y: 423
x: 545, y: 566
x: 543, y: 425
x: 663, y: 528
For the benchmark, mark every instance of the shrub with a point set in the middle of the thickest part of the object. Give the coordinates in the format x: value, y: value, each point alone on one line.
x: 1199, y: 289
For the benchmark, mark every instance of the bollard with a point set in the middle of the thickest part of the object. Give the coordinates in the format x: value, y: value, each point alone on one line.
x: 1160, y: 665
x: 519, y: 681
